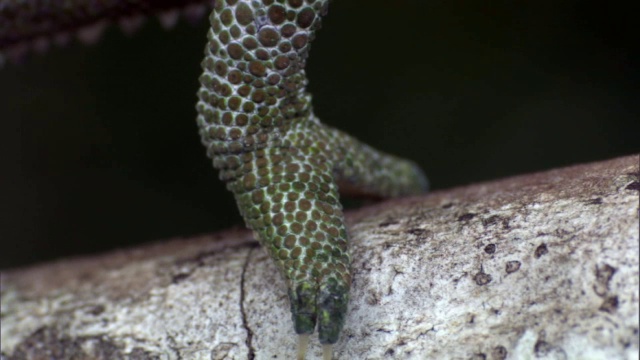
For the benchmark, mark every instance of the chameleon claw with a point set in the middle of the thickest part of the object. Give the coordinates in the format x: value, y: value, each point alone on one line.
x: 303, y: 344
x: 327, y: 352
x: 283, y: 166
x: 303, y: 308
x: 332, y: 309
x: 325, y: 305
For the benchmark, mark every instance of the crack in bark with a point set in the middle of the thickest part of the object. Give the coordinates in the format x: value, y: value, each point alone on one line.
x: 245, y: 323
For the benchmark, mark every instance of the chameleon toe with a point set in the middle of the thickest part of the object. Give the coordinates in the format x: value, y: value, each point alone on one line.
x: 333, y: 298
x: 303, y: 308
x: 282, y: 164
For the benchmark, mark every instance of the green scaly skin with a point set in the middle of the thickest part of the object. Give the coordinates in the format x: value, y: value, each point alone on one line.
x: 281, y: 163
x: 255, y: 118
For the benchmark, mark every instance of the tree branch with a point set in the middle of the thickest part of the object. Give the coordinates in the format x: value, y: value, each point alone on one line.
x: 541, y: 265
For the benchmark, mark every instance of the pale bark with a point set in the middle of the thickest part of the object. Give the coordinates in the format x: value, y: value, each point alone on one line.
x: 535, y: 266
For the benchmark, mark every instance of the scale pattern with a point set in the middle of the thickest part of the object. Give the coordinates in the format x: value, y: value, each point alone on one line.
x: 256, y: 120
x: 281, y: 163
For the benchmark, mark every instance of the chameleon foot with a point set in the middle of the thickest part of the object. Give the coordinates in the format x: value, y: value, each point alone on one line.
x: 282, y: 164
x: 256, y: 120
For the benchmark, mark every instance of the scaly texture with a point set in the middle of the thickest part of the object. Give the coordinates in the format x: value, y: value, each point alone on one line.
x: 257, y: 123
x: 538, y: 266
x: 281, y: 163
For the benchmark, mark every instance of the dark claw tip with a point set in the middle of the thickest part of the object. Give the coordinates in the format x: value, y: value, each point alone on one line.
x: 303, y: 308
x: 332, y: 310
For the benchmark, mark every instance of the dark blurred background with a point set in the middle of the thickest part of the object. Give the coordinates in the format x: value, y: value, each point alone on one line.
x: 100, y: 147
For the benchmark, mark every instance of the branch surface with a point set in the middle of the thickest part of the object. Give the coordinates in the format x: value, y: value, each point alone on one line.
x: 542, y: 265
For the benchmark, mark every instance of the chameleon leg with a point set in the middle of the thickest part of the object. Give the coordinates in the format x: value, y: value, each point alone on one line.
x: 363, y: 170
x: 291, y: 202
x: 281, y: 163
x: 255, y: 118
x: 289, y: 197
x: 328, y: 157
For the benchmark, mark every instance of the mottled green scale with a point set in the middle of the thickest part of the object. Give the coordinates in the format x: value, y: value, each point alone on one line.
x: 256, y: 120
x: 281, y: 163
